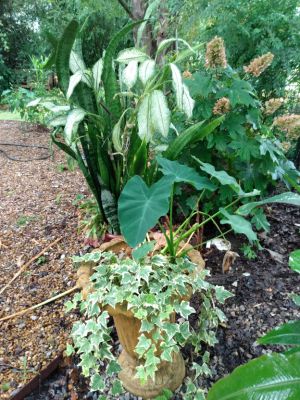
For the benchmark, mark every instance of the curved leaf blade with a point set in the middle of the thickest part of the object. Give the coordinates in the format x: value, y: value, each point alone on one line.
x: 238, y: 224
x: 284, y: 334
x: 284, y: 198
x: 294, y: 261
x: 270, y: 377
x: 140, y: 207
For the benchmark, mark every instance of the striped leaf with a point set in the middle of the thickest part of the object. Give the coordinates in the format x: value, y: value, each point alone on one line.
x: 160, y: 113
x: 130, y: 74
x: 146, y: 71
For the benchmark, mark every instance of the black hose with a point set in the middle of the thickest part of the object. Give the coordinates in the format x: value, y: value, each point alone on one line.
x: 24, y: 145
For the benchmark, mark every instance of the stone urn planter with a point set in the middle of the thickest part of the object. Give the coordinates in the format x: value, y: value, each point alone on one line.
x: 170, y: 375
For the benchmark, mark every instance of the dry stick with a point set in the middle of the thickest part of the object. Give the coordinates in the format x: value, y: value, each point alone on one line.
x: 58, y: 296
x: 28, y: 263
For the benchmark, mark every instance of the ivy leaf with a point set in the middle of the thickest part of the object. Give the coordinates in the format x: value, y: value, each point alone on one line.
x: 239, y: 224
x: 143, y: 250
x: 97, y: 383
x: 140, y: 207
x: 184, y: 329
x: 113, y: 368
x: 167, y: 354
x: 182, y: 173
x: 184, y: 309
x: 146, y: 326
x: 143, y: 345
x: 222, y: 294
x: 69, y: 350
x: 117, y: 388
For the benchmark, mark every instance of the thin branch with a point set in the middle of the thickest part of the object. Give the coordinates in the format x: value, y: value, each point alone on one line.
x: 126, y: 8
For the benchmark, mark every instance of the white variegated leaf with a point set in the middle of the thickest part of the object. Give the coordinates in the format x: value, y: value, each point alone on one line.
x: 146, y: 71
x: 144, y: 119
x: 76, y: 63
x: 177, y: 85
x: 53, y: 107
x: 74, y: 80
x: 116, y: 136
x: 61, y: 120
x: 188, y: 102
x: 74, y: 117
x: 132, y: 54
x: 34, y: 102
x: 130, y: 74
x: 97, y: 73
x: 160, y: 113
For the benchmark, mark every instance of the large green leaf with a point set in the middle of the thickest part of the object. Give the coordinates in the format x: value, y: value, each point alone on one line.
x: 270, y: 377
x: 285, y: 198
x: 285, y: 334
x: 238, y: 224
x: 64, y: 49
x: 221, y: 176
x: 191, y: 135
x: 294, y: 260
x: 140, y: 207
x: 182, y: 173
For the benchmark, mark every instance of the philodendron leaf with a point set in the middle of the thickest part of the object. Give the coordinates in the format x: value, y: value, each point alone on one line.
x: 285, y: 198
x: 238, y: 224
x: 285, y: 334
x: 140, y: 207
x: 130, y: 74
x: 160, y: 113
x: 144, y: 119
x: 133, y: 54
x: 294, y: 260
x: 182, y: 173
x: 221, y: 176
x: 97, y: 73
x: 74, y: 117
x: 270, y: 377
x: 146, y: 71
x: 183, y: 99
x: 188, y: 102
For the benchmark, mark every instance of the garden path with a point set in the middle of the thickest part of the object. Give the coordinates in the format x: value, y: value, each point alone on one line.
x: 35, y: 209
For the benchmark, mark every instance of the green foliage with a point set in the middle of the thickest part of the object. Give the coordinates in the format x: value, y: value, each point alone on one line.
x: 268, y: 377
x: 249, y: 29
x: 271, y: 376
x: 153, y: 289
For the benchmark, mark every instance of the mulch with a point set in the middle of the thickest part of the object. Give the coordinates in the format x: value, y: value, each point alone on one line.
x: 261, y: 287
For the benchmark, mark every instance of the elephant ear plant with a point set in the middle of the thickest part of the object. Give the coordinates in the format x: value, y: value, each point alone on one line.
x: 118, y: 113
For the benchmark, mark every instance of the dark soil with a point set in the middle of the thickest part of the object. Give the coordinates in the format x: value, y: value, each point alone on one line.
x: 261, y: 301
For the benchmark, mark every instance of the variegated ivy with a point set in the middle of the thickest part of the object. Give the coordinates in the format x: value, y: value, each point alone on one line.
x: 153, y: 289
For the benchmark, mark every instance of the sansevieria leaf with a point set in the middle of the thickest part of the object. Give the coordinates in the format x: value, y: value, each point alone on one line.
x: 74, y: 117
x: 140, y: 207
x: 270, y: 377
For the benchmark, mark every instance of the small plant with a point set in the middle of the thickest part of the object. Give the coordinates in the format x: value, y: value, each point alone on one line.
x: 153, y: 289
x: 248, y: 251
x: 5, y: 387
x: 24, y: 220
x: 41, y: 260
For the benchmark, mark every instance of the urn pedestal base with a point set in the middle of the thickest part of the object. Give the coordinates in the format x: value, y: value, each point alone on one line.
x: 169, y: 376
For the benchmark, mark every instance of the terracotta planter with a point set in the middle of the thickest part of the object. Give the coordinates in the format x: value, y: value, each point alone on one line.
x: 170, y: 375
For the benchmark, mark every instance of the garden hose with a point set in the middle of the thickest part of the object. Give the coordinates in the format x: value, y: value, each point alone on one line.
x: 44, y: 157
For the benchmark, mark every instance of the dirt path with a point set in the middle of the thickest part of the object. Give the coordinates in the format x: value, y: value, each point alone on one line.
x: 35, y: 209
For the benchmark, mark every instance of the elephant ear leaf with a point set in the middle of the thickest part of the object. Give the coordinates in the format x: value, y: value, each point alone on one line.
x: 140, y: 207
x: 270, y: 377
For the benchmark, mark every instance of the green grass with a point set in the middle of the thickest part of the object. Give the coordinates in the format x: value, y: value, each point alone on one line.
x: 9, y: 116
